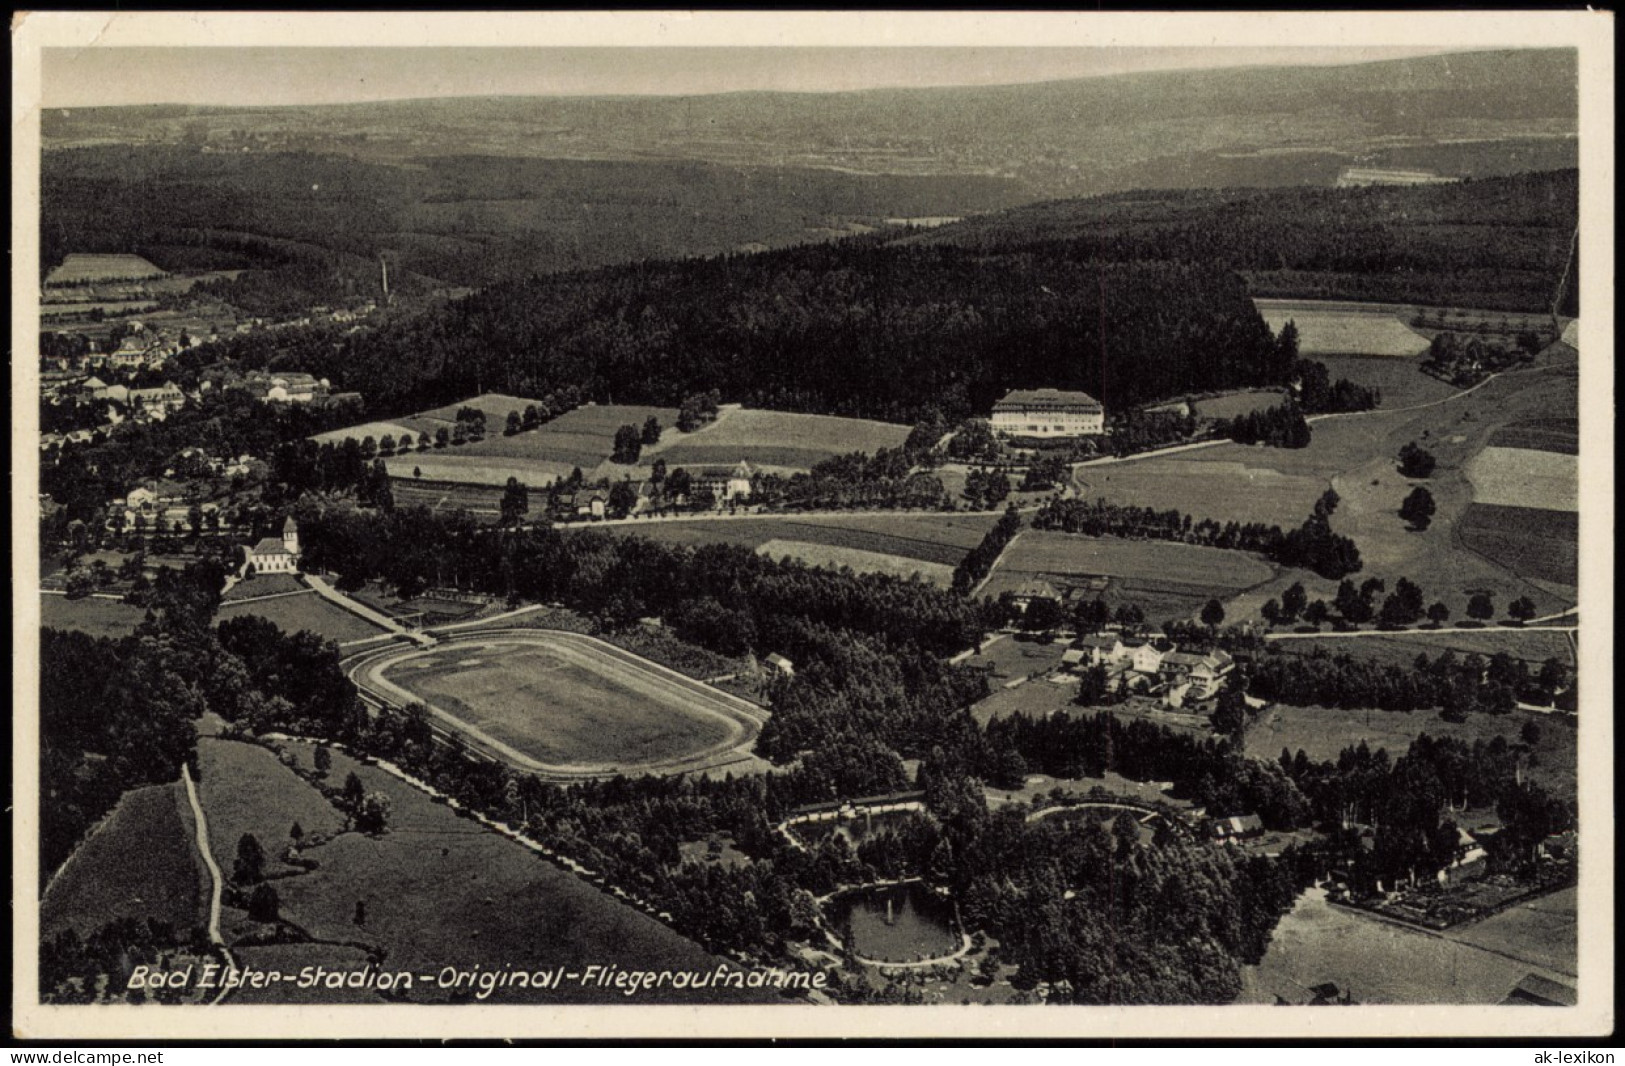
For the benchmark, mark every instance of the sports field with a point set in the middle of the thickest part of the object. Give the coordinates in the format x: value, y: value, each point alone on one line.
x: 565, y: 705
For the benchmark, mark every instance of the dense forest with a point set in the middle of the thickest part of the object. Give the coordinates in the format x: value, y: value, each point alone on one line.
x: 1499, y: 243
x: 860, y: 328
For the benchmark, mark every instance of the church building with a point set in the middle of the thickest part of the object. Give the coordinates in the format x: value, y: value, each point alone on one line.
x: 273, y: 556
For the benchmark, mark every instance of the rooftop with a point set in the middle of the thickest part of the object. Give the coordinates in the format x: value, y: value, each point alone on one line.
x: 1047, y: 398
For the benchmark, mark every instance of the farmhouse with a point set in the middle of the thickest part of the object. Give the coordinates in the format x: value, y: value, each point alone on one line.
x: 1237, y: 828
x: 781, y: 664
x: 1048, y: 413
x: 592, y: 504
x: 277, y: 556
x: 1033, y: 589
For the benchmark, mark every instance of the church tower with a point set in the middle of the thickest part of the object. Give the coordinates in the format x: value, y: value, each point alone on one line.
x: 290, y: 536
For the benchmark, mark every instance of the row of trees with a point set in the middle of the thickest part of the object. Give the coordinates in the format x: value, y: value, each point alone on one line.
x: 1461, y: 686
x: 979, y: 561
x: 1312, y: 546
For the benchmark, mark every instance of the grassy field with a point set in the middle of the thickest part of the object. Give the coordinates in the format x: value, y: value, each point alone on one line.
x: 98, y: 617
x: 1376, y: 961
x: 774, y: 439
x: 401, y: 429
x: 1036, y: 698
x: 1525, y: 477
x: 1542, y: 932
x: 1343, y: 329
x: 567, y: 704
x: 1400, y: 381
x: 243, y: 789
x: 483, y: 501
x: 1355, y: 454
x: 858, y: 560
x: 1322, y: 733
x: 442, y: 891
x: 141, y: 863
x: 494, y: 405
x: 1234, y: 404
x: 312, y: 612
x: 265, y: 585
x: 1402, y: 648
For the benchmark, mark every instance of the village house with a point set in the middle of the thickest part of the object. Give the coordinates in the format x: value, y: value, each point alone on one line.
x: 781, y: 664
x: 1033, y: 589
x: 1198, y: 676
x: 285, y: 387
x: 725, y: 483
x: 593, y: 503
x: 273, y: 555
x: 156, y: 403
x: 1048, y: 413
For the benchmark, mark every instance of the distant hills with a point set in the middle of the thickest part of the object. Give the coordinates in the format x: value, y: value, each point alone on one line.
x: 1468, y: 114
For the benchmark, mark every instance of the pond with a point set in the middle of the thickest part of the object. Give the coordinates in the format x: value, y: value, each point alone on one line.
x: 895, y: 923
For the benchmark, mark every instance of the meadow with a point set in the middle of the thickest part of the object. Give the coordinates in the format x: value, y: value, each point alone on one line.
x: 1400, y: 381
x: 1243, y: 488
x: 92, y: 614
x: 295, y: 613
x: 1540, y: 544
x: 265, y: 585
x: 243, y: 789
x: 80, y: 268
x: 438, y: 890
x: 1525, y: 477
x: 1235, y: 404
x: 1402, y: 648
x: 141, y: 863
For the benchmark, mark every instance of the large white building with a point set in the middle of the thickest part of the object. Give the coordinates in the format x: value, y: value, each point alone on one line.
x: 274, y: 556
x: 1049, y: 413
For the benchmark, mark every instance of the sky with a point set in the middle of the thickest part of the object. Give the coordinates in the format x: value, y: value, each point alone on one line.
x: 231, y: 76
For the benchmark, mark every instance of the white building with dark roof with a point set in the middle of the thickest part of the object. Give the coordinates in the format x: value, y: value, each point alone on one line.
x: 274, y: 555
x: 1048, y: 413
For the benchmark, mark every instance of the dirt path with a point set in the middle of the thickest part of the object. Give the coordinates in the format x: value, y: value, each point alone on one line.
x: 216, y: 879
x: 355, y: 607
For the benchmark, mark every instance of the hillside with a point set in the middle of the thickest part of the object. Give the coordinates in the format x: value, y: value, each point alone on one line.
x: 1469, y: 114
x: 1495, y: 243
x: 858, y: 328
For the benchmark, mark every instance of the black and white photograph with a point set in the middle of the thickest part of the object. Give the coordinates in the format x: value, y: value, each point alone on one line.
x: 1015, y: 517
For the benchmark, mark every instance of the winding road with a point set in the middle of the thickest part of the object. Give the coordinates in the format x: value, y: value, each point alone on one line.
x: 216, y: 878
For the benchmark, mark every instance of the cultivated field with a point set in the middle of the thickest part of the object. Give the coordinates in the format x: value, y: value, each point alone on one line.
x: 93, y: 615
x: 1182, y: 570
x: 1376, y: 961
x: 774, y: 439
x: 83, y: 269
x: 1525, y: 477
x: 483, y: 501
x: 941, y: 540
x: 308, y: 611
x: 1541, y: 931
x: 494, y: 405
x: 858, y: 560
x: 405, y: 428
x: 141, y: 863
x: 1242, y: 489
x: 1343, y: 329
x: 1539, y: 544
x: 1560, y: 435
x: 566, y: 705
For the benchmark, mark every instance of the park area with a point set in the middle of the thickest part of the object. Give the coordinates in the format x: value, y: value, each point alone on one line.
x: 566, y: 705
